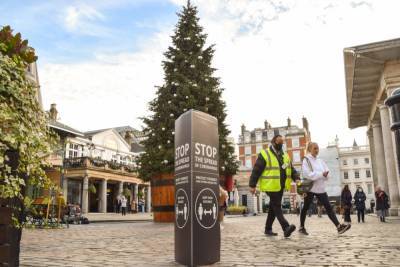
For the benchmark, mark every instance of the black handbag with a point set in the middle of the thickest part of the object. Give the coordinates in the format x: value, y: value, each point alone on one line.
x: 304, y: 186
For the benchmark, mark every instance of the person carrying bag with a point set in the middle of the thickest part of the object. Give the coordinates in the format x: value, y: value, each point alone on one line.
x: 315, y: 169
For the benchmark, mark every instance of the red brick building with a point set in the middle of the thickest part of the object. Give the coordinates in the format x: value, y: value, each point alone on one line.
x: 251, y: 142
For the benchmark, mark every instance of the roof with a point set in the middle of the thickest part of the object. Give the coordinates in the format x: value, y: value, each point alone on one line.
x: 137, y: 148
x: 363, y: 69
x: 65, y: 128
x: 118, y: 129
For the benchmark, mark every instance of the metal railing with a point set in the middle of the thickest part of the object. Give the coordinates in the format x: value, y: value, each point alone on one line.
x: 96, y: 163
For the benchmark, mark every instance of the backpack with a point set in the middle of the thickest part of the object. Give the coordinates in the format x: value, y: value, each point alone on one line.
x: 305, y: 185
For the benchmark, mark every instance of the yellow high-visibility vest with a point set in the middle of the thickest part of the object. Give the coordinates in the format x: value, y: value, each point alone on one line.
x: 270, y: 179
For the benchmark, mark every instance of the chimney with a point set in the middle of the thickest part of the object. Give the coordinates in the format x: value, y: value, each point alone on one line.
x: 128, y: 137
x: 265, y: 124
x: 53, y: 112
x: 243, y: 129
x: 289, y: 122
x: 305, y: 123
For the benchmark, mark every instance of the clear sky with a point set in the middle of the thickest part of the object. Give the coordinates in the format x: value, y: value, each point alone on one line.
x: 100, y: 60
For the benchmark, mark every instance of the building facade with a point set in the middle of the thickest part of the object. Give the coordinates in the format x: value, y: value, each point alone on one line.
x: 356, y: 170
x: 250, y: 145
x: 95, y: 167
x: 252, y: 142
x: 333, y: 186
x: 372, y: 74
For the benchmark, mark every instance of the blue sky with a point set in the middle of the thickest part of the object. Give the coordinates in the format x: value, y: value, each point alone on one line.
x: 100, y: 61
x: 72, y: 31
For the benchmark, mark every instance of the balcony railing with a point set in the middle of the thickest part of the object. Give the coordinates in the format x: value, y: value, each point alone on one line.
x: 354, y: 148
x: 95, y: 163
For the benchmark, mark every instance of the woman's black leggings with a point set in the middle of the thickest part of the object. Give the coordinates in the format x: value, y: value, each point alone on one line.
x: 323, y: 199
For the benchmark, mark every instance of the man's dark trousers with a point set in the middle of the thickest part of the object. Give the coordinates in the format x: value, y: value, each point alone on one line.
x: 275, y: 210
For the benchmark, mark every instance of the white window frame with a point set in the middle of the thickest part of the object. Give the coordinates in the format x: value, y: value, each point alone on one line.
x: 296, y: 156
x: 259, y: 147
x: 356, y: 173
x: 258, y: 136
x: 295, y: 142
x: 369, y: 189
x: 345, y: 175
x: 248, y: 162
x: 368, y: 173
x: 247, y: 137
x: 247, y: 150
x: 355, y: 161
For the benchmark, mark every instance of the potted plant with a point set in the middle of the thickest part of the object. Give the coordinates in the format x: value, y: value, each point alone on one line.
x: 92, y: 188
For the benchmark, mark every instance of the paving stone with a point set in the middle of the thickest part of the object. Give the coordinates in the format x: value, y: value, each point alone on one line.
x: 243, y: 244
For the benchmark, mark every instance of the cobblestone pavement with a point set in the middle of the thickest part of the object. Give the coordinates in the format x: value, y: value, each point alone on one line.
x: 243, y: 244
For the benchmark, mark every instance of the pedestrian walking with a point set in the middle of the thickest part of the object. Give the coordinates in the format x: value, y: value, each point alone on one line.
x: 123, y: 205
x: 273, y: 171
x: 382, y: 203
x: 359, y: 201
x: 315, y: 169
x: 118, y: 208
x: 346, y: 199
x: 223, y: 196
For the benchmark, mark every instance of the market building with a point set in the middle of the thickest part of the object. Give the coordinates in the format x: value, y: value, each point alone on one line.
x: 93, y: 168
x: 372, y: 74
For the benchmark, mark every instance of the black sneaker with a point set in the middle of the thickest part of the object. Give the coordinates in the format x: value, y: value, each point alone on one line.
x: 303, y: 231
x: 270, y: 233
x: 289, y: 230
x: 343, y: 228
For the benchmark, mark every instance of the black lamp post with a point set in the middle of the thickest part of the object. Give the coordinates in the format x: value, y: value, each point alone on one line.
x: 393, y: 103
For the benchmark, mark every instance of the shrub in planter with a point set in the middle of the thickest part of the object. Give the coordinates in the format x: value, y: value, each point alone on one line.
x: 236, y: 210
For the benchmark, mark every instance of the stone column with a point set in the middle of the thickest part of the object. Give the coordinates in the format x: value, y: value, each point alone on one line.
x: 380, y: 156
x: 373, y: 158
x: 85, y: 195
x: 136, y: 189
x: 390, y: 160
x: 148, y: 199
x: 103, y: 196
x: 65, y: 188
x: 120, y: 188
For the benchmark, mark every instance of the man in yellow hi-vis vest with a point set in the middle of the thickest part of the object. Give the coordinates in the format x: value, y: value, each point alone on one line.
x: 273, y: 171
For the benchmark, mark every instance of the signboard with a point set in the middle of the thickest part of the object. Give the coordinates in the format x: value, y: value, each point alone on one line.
x: 197, y: 232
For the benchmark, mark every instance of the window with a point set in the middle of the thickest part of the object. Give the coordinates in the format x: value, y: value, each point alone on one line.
x: 368, y: 173
x: 356, y: 174
x: 74, y: 151
x: 270, y: 134
x: 248, y: 162
x: 247, y: 137
x: 369, y: 188
x: 259, y: 147
x: 247, y: 150
x: 114, y: 158
x: 344, y: 162
x: 346, y: 175
x: 295, y: 142
x: 258, y: 137
x: 296, y: 156
x: 366, y: 160
x: 355, y: 161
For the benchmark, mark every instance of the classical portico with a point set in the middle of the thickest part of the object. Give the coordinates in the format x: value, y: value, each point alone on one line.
x: 96, y: 188
x: 372, y: 75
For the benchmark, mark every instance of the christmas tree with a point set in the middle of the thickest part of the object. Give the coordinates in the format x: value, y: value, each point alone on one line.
x: 188, y: 84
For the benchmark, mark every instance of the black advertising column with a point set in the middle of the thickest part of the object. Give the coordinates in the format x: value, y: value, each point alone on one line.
x: 393, y: 103
x: 197, y: 232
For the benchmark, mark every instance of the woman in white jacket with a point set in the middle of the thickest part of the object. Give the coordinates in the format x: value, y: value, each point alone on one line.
x: 315, y: 169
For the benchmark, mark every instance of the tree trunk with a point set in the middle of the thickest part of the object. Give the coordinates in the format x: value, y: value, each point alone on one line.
x: 10, y: 236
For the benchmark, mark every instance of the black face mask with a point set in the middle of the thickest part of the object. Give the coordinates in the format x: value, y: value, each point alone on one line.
x: 278, y: 147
